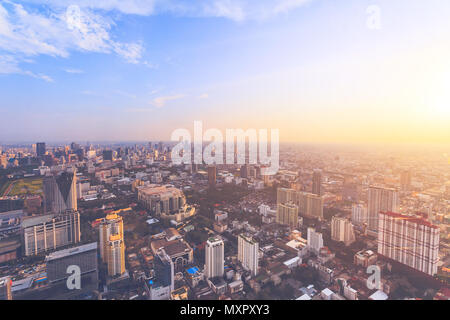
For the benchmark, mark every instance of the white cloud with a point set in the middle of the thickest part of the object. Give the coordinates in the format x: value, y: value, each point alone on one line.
x: 204, y: 96
x: 160, y: 102
x: 237, y: 10
x: 63, y: 26
x: 25, y: 32
x: 38, y: 76
x: 74, y: 71
x: 9, y: 64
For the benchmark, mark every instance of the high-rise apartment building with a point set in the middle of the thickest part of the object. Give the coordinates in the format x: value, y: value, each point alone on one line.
x: 50, y: 232
x: 285, y: 195
x: 309, y: 205
x: 287, y: 214
x: 115, y: 252
x: 342, y: 230
x: 359, y: 214
x: 60, y: 192
x: 410, y: 240
x: 112, y: 246
x: 315, y: 240
x: 248, y: 253
x: 380, y: 199
x: 214, y: 258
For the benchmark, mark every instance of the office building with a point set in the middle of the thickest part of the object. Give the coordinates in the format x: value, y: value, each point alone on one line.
x: 162, y: 200
x: 177, y: 249
x: 410, y: 240
x: 162, y: 284
x: 365, y: 258
x: 214, y: 258
x: 342, y: 230
x: 50, y: 232
x: 40, y: 149
x: 107, y: 155
x: 248, y: 253
x: 380, y: 199
x: 84, y: 257
x: 60, y: 192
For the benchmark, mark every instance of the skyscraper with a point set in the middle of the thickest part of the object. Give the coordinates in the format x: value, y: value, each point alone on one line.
x: 410, y: 240
x: 214, y: 258
x: 405, y: 180
x: 60, y: 192
x: 342, y: 230
x: 212, y: 176
x: 248, y: 253
x: 380, y: 199
x: 40, y: 149
x: 115, y: 252
x: 107, y: 155
x: 112, y: 246
x: 317, y: 182
x: 244, y: 171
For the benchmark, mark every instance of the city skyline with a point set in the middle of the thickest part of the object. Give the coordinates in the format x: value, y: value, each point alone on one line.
x: 313, y: 69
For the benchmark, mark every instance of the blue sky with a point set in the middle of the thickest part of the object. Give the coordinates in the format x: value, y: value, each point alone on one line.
x: 139, y: 69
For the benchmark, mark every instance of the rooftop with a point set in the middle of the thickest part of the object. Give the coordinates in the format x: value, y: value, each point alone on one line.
x: 71, y: 251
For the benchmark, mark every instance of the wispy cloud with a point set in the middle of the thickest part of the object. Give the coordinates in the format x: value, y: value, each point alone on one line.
x: 160, y: 102
x: 87, y: 25
x: 74, y: 71
x: 237, y: 10
x: 9, y: 65
x: 39, y: 76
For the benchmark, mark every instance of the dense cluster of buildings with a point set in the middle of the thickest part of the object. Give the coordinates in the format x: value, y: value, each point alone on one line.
x: 133, y: 221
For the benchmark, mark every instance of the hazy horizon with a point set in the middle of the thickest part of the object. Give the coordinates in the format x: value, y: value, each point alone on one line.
x: 315, y: 70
